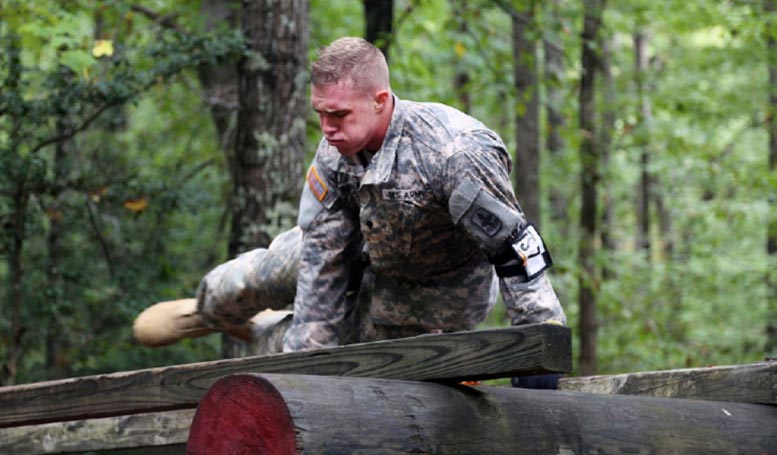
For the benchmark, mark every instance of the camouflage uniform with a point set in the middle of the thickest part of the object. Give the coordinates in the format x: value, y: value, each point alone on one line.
x: 263, y: 278
x: 409, y: 210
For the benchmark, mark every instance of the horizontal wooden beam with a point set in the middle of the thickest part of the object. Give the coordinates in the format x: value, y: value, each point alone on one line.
x: 267, y: 413
x: 751, y: 383
x: 481, y: 354
x: 107, y: 433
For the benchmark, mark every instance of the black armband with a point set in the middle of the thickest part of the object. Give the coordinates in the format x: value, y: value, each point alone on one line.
x: 523, y: 255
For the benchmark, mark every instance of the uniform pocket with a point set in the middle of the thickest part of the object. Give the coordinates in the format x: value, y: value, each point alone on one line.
x: 388, y: 222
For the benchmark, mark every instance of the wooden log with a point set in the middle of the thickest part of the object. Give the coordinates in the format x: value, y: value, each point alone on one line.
x: 108, y: 433
x: 298, y: 414
x: 753, y: 383
x: 481, y: 354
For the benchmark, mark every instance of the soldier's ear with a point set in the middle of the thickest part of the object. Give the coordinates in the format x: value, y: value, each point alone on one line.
x: 381, y: 99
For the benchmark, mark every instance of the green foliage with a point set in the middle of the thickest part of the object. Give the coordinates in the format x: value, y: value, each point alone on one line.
x: 138, y: 200
x: 116, y: 165
x: 704, y: 304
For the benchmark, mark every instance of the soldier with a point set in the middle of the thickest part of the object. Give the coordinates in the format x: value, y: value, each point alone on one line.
x: 423, y: 192
x: 407, y: 224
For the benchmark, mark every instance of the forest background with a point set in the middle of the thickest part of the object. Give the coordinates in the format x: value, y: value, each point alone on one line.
x: 143, y: 144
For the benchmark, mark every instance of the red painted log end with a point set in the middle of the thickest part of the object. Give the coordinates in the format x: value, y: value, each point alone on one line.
x: 242, y: 414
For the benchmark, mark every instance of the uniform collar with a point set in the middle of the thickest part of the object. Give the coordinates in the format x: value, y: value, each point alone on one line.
x: 383, y: 161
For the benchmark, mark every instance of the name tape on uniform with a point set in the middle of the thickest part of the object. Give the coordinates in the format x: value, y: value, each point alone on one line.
x: 403, y: 195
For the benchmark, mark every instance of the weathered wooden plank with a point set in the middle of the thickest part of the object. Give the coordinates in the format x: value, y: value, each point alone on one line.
x: 752, y: 383
x: 107, y: 433
x: 481, y: 354
x: 267, y: 413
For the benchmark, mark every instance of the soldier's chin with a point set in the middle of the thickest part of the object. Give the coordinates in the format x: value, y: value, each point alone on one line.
x: 345, y: 149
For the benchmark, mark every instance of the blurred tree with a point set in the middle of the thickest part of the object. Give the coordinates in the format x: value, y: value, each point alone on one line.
x: 604, y: 142
x: 644, y: 120
x: 771, y: 124
x: 461, y: 78
x: 527, y: 114
x: 554, y: 80
x: 219, y: 81
x: 14, y: 220
x: 379, y: 23
x: 527, y: 139
x: 590, y: 176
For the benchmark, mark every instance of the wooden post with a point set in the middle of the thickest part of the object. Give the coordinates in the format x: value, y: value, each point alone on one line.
x: 299, y: 414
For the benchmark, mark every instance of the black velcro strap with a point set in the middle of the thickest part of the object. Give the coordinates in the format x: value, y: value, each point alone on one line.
x: 506, y: 253
x: 504, y: 271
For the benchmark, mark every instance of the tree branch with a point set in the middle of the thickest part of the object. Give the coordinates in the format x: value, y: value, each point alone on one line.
x: 100, y: 239
x: 513, y: 13
x: 194, y: 171
x: 167, y: 21
x: 88, y: 121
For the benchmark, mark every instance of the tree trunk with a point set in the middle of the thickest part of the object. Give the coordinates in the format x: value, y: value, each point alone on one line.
x: 651, y: 183
x: 771, y: 243
x: 219, y: 87
x: 605, y: 144
x: 651, y: 193
x: 14, y: 341
x: 378, y: 23
x: 294, y: 414
x: 664, y: 219
x: 527, y: 113
x: 643, y: 134
x: 270, y: 136
x: 264, y: 142
x: 219, y: 82
x: 56, y: 350
x: 554, y: 83
x: 588, y: 281
x: 461, y: 78
x: 16, y: 224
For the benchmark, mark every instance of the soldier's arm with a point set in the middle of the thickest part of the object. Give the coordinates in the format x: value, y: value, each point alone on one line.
x: 482, y: 203
x: 329, y: 245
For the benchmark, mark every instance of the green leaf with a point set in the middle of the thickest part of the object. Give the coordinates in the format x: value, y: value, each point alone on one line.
x: 77, y: 60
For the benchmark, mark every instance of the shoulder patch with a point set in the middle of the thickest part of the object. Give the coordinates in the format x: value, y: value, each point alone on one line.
x: 316, y: 184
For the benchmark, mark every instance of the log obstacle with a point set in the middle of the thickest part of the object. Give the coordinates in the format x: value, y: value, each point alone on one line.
x: 753, y: 383
x: 405, y: 396
x: 479, y: 354
x: 123, y: 410
x: 300, y: 414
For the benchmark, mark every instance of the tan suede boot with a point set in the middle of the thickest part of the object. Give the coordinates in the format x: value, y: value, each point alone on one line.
x: 168, y: 322
x: 171, y: 321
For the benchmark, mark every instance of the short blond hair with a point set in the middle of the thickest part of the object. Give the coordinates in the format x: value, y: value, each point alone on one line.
x: 353, y: 58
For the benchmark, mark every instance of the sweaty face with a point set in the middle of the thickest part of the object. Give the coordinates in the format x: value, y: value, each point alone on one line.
x: 347, y: 117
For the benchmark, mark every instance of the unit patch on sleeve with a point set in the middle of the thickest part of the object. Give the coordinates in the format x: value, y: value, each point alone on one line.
x: 317, y: 186
x: 487, y: 221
